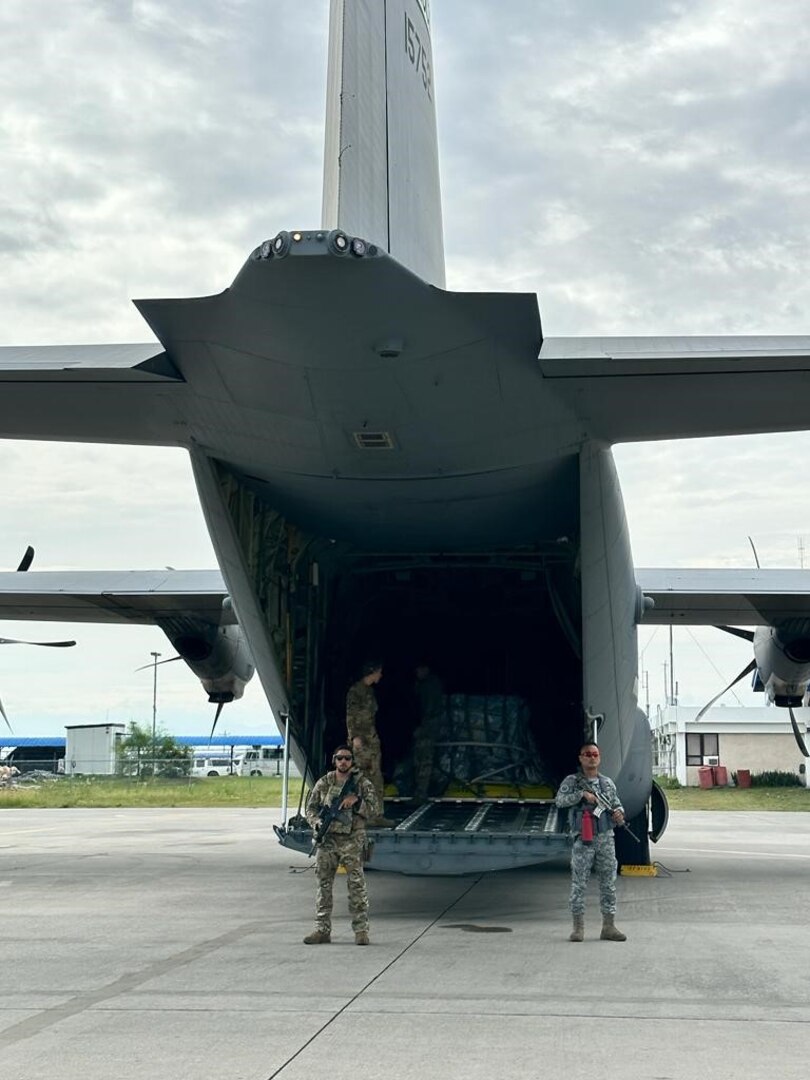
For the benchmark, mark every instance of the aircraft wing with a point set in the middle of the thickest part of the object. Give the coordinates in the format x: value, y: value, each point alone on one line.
x: 627, y: 389
x: 105, y: 596
x: 725, y: 597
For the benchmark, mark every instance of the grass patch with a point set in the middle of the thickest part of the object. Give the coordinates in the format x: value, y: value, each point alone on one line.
x: 103, y: 792
x: 754, y: 798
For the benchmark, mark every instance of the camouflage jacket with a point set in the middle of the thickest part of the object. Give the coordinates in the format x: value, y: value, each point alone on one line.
x: 328, y: 788
x: 569, y: 796
x: 430, y: 700
x: 361, y: 709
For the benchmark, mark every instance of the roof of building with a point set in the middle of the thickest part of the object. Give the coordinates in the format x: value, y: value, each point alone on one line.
x: 45, y: 740
x: 58, y: 742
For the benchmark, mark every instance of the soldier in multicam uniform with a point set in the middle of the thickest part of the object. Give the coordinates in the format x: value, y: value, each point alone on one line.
x: 600, y: 852
x: 361, y: 712
x: 430, y: 702
x: 343, y: 843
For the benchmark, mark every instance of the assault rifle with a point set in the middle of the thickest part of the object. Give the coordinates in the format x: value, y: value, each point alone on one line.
x: 602, y: 801
x: 328, y: 813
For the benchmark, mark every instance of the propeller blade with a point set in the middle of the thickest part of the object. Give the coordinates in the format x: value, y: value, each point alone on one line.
x: 3, y: 714
x: 745, y: 671
x: 746, y: 635
x: 43, y: 644
x: 27, y: 559
x: 169, y: 661
x: 220, y: 707
x: 798, y: 735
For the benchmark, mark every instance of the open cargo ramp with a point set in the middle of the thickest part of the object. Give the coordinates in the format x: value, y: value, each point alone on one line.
x: 457, y: 836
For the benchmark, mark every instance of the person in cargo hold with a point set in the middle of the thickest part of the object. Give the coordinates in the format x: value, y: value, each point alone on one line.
x: 429, y: 694
x: 361, y: 728
x: 594, y: 846
x: 348, y: 799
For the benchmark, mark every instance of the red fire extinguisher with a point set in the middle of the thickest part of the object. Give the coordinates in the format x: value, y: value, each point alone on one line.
x: 587, y: 827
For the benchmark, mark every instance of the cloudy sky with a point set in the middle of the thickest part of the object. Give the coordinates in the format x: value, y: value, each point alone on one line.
x: 641, y: 165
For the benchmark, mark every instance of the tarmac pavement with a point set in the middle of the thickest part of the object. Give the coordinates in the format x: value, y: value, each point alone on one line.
x: 167, y: 944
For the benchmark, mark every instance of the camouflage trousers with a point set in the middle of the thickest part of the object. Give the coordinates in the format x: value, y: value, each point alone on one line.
x: 422, y: 764
x: 368, y: 759
x: 348, y: 850
x: 599, y: 855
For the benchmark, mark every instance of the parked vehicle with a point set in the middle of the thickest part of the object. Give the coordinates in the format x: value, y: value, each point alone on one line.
x: 263, y: 761
x: 216, y: 766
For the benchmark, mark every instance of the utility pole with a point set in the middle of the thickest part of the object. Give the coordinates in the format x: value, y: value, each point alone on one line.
x: 154, y: 656
x: 671, y: 670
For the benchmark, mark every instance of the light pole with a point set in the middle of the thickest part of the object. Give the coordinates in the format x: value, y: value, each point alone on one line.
x: 154, y: 656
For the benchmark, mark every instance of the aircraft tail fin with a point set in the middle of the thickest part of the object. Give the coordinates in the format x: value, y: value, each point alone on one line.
x: 381, y: 168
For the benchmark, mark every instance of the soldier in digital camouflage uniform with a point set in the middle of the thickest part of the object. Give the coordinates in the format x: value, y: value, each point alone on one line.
x: 361, y: 729
x: 430, y: 702
x: 344, y: 843
x: 598, y: 853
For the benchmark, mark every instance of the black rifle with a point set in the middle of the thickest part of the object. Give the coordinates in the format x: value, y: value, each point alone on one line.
x: 328, y: 813
x: 602, y: 801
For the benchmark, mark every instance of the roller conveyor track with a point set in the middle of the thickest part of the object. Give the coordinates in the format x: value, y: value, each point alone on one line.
x: 515, y: 817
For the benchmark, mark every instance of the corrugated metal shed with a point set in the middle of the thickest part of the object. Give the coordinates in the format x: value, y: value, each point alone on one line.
x: 25, y: 743
x: 184, y: 740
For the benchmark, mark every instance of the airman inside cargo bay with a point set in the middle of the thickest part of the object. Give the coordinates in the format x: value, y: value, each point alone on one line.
x: 585, y: 794
x: 361, y: 728
x: 430, y: 703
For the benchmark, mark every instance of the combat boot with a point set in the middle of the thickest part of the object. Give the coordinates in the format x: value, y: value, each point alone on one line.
x: 578, y: 933
x: 609, y: 931
x: 318, y: 937
x: 361, y: 937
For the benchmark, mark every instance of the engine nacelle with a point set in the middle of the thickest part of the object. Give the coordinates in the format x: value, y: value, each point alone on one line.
x: 219, y: 657
x: 782, y: 655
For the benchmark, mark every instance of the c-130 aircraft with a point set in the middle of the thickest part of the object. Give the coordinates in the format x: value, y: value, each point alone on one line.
x: 383, y: 463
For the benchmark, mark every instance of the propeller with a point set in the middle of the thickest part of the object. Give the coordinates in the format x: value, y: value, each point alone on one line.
x: 745, y: 671
x: 159, y: 662
x: 220, y: 707
x: 797, y: 734
x: 43, y: 644
x: 27, y: 559
x: 25, y: 562
x: 748, y: 635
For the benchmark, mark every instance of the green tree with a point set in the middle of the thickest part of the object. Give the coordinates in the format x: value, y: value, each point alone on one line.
x: 140, y: 755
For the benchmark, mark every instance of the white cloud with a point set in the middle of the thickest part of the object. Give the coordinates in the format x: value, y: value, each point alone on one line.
x: 643, y: 167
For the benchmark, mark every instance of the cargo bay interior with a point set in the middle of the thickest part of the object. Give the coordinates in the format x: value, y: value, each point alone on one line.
x: 502, y: 632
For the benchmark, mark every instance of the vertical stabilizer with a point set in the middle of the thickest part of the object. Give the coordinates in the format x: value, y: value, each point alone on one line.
x: 381, y: 169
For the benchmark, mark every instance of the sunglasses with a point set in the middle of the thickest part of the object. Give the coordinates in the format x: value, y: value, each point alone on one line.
x: 589, y: 753
x: 343, y: 757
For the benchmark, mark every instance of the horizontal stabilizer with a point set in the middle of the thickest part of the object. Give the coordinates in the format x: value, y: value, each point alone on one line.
x: 638, y: 388
x: 112, y: 362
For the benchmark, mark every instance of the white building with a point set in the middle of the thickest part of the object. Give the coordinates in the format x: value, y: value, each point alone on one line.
x: 90, y: 749
x: 760, y: 740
